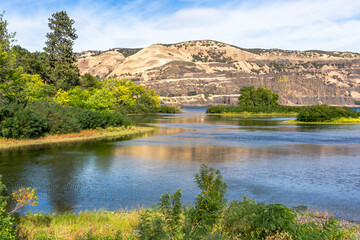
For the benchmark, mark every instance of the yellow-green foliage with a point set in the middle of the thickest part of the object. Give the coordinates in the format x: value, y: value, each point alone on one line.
x: 348, y: 120
x: 111, y: 93
x: 34, y: 87
x: 98, y: 224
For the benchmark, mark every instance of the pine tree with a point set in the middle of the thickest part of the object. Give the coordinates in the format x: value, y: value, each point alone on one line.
x: 62, y: 70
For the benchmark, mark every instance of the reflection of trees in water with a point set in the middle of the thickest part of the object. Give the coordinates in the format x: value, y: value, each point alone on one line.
x: 63, y: 179
x: 199, y: 153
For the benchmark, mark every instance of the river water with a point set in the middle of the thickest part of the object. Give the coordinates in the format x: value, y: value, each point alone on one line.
x: 264, y: 158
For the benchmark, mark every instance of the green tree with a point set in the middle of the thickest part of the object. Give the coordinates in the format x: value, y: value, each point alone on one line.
x: 31, y: 62
x: 6, y: 38
x: 258, y: 97
x: 62, y: 71
x: 10, y: 78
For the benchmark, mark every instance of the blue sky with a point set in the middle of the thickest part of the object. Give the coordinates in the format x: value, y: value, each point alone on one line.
x: 101, y: 25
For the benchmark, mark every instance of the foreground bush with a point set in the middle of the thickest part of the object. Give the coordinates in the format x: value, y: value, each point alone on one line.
x: 323, y: 113
x: 7, y: 229
x: 211, y: 218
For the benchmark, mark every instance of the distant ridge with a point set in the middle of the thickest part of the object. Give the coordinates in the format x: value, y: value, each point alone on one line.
x: 185, y: 72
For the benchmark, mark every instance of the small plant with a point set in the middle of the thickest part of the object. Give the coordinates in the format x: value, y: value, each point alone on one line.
x: 23, y: 197
x: 7, y: 229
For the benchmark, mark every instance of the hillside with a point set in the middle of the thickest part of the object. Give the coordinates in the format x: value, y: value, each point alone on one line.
x: 200, y: 73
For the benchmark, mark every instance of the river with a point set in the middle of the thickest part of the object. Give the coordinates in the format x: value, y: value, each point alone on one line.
x: 264, y: 158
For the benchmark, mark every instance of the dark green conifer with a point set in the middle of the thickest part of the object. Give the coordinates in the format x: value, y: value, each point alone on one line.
x: 62, y: 71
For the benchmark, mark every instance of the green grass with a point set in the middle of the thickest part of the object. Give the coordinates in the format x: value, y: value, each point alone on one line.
x: 85, y: 225
x: 257, y: 114
x: 119, y: 225
x: 110, y: 133
x: 340, y: 121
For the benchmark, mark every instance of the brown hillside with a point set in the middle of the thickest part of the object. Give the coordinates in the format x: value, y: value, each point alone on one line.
x: 207, y: 72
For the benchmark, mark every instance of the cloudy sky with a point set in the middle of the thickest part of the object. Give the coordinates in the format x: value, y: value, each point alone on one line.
x: 105, y: 24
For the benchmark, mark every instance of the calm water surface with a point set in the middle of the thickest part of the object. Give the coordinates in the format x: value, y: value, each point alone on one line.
x: 264, y: 158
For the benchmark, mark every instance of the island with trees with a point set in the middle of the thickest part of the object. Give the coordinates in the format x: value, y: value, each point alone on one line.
x: 263, y: 101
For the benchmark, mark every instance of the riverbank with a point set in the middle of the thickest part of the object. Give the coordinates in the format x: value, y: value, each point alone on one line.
x: 110, y: 133
x: 249, y: 114
x: 120, y: 225
x: 341, y: 121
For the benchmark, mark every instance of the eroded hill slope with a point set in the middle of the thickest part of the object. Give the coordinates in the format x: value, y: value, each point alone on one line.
x: 199, y: 73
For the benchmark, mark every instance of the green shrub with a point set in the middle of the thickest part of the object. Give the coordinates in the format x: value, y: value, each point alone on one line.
x: 48, y: 117
x: 211, y: 218
x: 24, y: 124
x: 3, y: 192
x: 323, y: 113
x: 7, y: 229
x: 169, y: 109
x: 60, y: 119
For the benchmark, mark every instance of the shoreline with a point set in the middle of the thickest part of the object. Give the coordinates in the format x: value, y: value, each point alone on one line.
x: 90, y: 135
x: 253, y: 114
x: 341, y: 122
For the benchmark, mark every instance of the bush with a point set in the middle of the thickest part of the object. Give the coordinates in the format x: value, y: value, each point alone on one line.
x: 48, y: 117
x: 211, y: 218
x: 169, y: 109
x: 24, y: 124
x: 89, y: 119
x: 60, y: 119
x: 3, y: 192
x: 323, y: 113
x: 7, y: 229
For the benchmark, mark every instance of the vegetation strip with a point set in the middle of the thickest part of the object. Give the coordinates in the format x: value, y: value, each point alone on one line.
x: 255, y: 114
x: 341, y: 121
x: 83, y: 136
x: 210, y: 217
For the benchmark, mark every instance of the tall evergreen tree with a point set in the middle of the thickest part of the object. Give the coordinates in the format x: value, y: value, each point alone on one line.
x: 62, y: 71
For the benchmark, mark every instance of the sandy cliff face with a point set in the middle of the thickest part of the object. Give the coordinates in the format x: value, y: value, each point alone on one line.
x: 207, y: 72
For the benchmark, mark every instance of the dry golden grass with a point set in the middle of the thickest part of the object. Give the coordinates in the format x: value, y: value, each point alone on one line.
x: 85, y: 135
x: 97, y: 224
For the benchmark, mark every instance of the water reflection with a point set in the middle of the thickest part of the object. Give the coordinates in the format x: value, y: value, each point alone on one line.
x: 271, y: 161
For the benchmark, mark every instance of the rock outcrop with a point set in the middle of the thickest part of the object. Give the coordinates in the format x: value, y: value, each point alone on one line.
x: 201, y: 73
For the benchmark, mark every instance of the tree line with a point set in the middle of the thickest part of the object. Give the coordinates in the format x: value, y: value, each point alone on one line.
x: 43, y: 93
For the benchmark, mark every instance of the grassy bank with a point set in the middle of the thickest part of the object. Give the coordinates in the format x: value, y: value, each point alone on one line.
x: 85, y: 225
x: 110, y: 133
x: 255, y: 110
x: 247, y: 114
x: 122, y: 225
x: 340, y: 121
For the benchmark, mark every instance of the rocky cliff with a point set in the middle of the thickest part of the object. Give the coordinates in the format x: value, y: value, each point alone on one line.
x: 200, y: 73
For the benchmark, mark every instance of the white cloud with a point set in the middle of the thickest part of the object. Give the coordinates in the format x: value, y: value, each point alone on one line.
x: 297, y: 24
